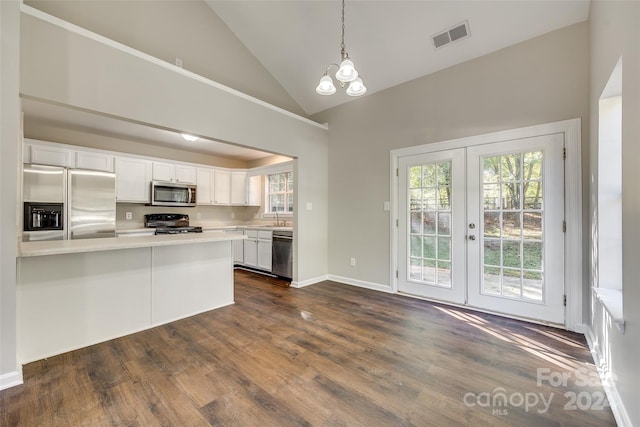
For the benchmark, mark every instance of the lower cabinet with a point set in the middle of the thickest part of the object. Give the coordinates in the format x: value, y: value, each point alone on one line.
x: 264, y: 254
x: 251, y: 251
x: 257, y: 249
x: 238, y: 247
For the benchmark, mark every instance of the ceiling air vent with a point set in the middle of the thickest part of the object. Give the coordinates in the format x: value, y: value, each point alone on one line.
x: 451, y: 35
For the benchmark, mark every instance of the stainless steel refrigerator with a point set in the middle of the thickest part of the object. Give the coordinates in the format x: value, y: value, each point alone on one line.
x: 85, y: 199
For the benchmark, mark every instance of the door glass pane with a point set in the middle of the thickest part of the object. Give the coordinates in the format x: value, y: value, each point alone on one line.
x: 511, y: 227
x: 532, y: 225
x: 492, y: 281
x: 511, y: 167
x: 415, y: 268
x: 429, y: 222
x: 429, y: 190
x: 416, y: 246
x: 416, y: 223
x: 511, y: 195
x: 444, y: 223
x: 492, y: 224
x: 513, y: 261
x: 444, y: 273
x: 429, y: 247
x: 429, y: 271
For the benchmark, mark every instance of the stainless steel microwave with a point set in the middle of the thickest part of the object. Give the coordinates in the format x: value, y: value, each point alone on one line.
x: 172, y: 194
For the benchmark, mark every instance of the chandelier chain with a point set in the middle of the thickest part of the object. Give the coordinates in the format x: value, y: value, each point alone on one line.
x: 343, y: 51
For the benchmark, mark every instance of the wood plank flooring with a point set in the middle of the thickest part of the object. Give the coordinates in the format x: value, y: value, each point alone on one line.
x: 325, y: 355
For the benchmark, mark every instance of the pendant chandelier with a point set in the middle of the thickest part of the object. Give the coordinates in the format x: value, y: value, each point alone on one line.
x: 346, y: 73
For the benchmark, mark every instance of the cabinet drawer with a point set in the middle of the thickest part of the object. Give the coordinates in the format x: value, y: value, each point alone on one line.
x: 265, y: 234
x: 251, y: 233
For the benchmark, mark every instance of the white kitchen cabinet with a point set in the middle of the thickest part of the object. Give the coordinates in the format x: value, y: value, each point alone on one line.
x: 257, y: 249
x: 94, y: 161
x: 163, y: 171
x: 221, y: 187
x: 251, y: 248
x: 264, y: 250
x: 204, y: 181
x: 133, y: 178
x: 239, y: 188
x: 173, y: 172
x: 185, y: 174
x: 255, y: 190
x: 52, y: 156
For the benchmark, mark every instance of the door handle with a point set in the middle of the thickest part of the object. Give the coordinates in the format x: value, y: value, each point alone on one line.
x: 472, y: 237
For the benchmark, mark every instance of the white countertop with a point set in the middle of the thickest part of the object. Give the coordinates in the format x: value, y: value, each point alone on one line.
x: 126, y: 231
x: 58, y: 247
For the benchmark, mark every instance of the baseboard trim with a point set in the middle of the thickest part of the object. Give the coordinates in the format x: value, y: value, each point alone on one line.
x: 610, y: 389
x: 11, y: 379
x: 360, y: 283
x: 308, y: 282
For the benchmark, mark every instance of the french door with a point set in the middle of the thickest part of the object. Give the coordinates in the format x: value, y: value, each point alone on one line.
x: 483, y: 226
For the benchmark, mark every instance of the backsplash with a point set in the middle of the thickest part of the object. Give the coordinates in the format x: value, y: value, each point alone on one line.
x: 200, y: 215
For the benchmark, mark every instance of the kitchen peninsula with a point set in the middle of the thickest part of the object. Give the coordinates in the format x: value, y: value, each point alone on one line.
x: 75, y: 293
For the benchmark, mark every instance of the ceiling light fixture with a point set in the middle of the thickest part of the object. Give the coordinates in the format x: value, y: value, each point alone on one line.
x: 346, y: 73
x: 188, y: 137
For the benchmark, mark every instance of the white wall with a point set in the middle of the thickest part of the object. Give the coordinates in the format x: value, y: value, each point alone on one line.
x: 9, y: 160
x: 614, y: 33
x: 171, y: 29
x: 538, y: 81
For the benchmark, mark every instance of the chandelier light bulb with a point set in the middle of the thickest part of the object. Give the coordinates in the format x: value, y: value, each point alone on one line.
x: 326, y: 87
x: 347, y: 71
x: 356, y: 88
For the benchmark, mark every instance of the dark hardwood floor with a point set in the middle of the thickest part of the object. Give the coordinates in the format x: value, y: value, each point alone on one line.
x: 325, y: 355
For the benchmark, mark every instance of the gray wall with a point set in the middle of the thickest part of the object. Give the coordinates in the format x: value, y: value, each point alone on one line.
x: 9, y: 160
x: 171, y: 29
x: 615, y: 32
x: 538, y: 81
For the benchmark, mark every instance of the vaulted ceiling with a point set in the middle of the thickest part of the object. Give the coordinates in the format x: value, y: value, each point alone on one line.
x: 389, y: 41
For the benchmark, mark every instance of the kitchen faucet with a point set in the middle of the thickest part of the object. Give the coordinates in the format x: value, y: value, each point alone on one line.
x: 278, y: 223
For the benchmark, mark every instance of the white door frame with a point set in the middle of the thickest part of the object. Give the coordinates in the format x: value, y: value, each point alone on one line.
x: 573, y: 202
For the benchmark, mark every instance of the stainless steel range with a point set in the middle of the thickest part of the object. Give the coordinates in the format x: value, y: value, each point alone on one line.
x: 168, y: 223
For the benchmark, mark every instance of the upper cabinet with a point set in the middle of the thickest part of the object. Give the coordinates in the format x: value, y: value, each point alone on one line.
x: 173, y: 172
x: 204, y: 190
x: 215, y: 186
x: 255, y: 190
x: 133, y: 180
x: 51, y: 154
x: 239, y: 188
x: 222, y: 187
x: 94, y: 161
x: 245, y: 190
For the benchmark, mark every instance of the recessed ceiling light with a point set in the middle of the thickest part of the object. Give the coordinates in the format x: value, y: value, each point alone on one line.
x: 188, y: 137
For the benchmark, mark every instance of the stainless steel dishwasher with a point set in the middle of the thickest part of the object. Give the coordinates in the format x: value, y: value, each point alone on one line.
x: 282, y: 255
